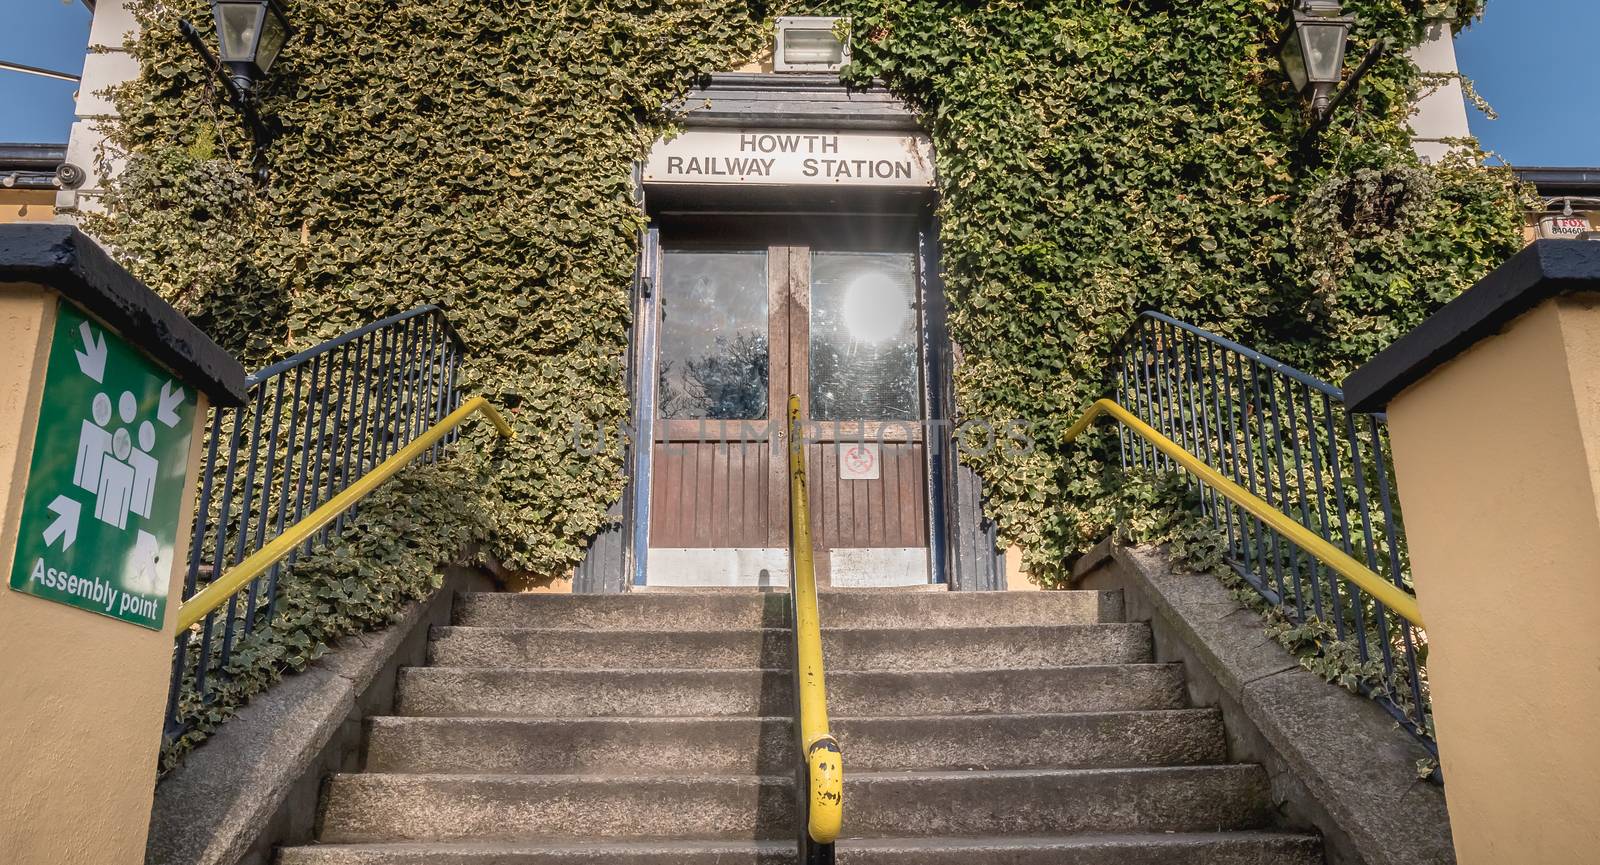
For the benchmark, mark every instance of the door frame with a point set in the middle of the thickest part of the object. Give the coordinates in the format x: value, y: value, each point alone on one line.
x: 795, y: 235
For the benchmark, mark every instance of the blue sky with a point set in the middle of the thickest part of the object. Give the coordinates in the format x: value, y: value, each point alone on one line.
x: 47, y: 33
x: 1532, y: 59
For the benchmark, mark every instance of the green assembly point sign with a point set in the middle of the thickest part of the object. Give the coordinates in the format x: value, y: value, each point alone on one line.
x: 100, y: 514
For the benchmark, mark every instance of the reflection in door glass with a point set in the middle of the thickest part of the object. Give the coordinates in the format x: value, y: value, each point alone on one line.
x: 712, y: 361
x: 864, y: 363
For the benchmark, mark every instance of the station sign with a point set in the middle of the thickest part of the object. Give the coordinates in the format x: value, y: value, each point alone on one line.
x: 101, y: 510
x: 784, y: 157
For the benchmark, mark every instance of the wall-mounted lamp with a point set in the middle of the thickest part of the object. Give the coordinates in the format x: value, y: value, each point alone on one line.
x: 250, y: 34
x: 809, y: 44
x: 1313, y: 52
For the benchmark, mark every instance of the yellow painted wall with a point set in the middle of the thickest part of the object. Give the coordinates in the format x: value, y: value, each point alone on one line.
x: 1497, y: 455
x: 1017, y: 579
x: 27, y: 205
x: 81, y: 696
x: 516, y: 582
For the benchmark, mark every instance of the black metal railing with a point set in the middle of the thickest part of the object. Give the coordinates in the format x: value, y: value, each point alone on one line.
x: 1288, y: 438
x: 311, y: 425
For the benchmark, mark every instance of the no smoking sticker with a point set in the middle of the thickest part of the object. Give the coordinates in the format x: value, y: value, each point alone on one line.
x: 859, y: 461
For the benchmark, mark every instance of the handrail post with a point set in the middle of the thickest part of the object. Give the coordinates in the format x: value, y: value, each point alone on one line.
x: 820, y: 794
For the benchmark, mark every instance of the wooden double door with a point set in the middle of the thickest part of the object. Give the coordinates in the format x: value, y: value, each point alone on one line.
x: 747, y: 314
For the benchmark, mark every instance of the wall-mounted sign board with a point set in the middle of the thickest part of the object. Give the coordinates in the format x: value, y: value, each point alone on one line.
x: 1563, y: 227
x: 792, y: 157
x: 100, y: 512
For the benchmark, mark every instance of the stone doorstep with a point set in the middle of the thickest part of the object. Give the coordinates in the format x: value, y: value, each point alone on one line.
x: 738, y: 611
x: 1337, y: 760
x: 845, y: 649
x: 1208, y: 848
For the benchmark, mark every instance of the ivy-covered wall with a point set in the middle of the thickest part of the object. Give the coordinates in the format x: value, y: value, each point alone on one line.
x: 1095, y: 158
x: 472, y: 154
x: 1098, y: 159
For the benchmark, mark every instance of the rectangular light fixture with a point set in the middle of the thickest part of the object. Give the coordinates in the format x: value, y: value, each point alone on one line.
x: 808, y: 44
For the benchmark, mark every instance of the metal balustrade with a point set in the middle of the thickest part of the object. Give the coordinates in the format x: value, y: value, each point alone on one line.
x: 284, y: 473
x: 1335, y: 565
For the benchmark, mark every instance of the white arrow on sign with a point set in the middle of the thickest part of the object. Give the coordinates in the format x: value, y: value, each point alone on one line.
x: 171, y: 399
x: 65, y: 523
x: 92, y: 360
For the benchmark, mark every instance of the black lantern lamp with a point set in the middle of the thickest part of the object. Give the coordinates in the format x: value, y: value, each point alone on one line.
x: 1313, y: 50
x: 250, y: 34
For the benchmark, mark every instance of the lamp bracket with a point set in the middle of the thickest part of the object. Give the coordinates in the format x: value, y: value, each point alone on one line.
x: 240, y: 98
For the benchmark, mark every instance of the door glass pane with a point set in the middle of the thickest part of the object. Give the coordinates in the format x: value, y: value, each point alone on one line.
x: 864, y: 362
x: 712, y: 360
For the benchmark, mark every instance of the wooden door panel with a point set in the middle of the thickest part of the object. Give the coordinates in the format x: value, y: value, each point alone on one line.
x: 713, y: 487
x: 713, y: 495
x: 882, y: 513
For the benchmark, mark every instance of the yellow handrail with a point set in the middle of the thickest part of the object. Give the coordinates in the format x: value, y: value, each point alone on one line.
x: 257, y: 563
x: 1382, y: 590
x: 824, y: 763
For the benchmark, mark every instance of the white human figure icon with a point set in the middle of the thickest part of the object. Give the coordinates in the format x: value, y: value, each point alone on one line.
x: 144, y: 471
x: 144, y: 573
x: 94, y: 442
x: 114, y: 493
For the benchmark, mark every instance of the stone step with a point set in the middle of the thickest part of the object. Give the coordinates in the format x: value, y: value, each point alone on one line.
x: 692, y: 611
x: 768, y: 648
x: 1209, y: 848
x: 708, y: 746
x: 378, y: 807
x: 500, y: 692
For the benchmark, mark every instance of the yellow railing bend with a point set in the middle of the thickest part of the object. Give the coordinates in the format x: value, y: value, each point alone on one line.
x: 824, y: 764
x: 254, y: 565
x: 1381, y: 590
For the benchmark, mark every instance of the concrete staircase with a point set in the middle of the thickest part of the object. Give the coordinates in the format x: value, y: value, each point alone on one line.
x: 1024, y: 728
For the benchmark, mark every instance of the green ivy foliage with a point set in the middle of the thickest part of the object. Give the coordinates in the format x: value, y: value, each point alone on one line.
x: 477, y: 155
x: 1095, y: 158
x: 1162, y: 509
x: 387, y: 558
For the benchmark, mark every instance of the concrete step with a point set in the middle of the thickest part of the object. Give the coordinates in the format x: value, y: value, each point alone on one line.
x: 500, y: 692
x: 710, y: 746
x: 749, y: 649
x: 925, y: 610
x: 1097, y: 688
x: 768, y: 648
x: 1208, y: 848
x: 693, y: 611
x: 395, y: 807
